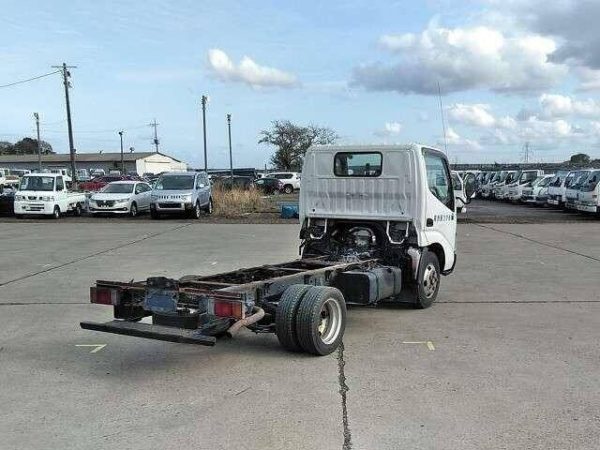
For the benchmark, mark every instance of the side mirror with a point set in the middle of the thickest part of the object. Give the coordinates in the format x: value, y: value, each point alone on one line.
x: 469, y: 186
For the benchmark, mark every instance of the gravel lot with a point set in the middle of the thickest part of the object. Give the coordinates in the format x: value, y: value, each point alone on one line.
x: 507, y: 358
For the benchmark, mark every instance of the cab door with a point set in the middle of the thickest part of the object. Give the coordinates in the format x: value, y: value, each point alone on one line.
x: 440, y: 216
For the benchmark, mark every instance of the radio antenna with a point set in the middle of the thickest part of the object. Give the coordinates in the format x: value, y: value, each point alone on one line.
x: 443, y: 121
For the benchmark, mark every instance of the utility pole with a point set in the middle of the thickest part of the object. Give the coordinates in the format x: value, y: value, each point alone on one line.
x: 39, y: 143
x: 204, y: 100
x: 230, y: 154
x: 526, y: 152
x: 66, y: 75
x: 155, y: 125
x: 122, y: 163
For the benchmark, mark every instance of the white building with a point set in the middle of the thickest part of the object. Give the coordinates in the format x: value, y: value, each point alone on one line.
x: 139, y: 162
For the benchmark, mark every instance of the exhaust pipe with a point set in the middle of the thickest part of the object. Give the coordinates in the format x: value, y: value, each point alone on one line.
x: 257, y: 314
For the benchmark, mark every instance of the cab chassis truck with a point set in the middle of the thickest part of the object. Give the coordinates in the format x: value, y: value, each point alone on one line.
x: 378, y: 223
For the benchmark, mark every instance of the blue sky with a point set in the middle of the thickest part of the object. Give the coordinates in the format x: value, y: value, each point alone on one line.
x: 510, y: 72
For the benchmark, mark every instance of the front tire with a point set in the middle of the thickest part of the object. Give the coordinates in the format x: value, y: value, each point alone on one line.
x: 321, y: 320
x: 133, y: 211
x: 77, y: 210
x: 197, y: 211
x: 56, y: 213
x: 288, y: 189
x: 428, y: 280
x: 209, y: 208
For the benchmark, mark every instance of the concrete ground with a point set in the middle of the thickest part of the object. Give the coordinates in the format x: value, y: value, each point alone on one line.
x: 508, y: 358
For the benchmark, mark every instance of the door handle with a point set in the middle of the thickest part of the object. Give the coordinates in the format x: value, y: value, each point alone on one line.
x: 429, y: 222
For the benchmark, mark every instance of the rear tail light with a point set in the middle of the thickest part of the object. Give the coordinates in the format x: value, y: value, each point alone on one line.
x: 224, y: 308
x: 104, y: 296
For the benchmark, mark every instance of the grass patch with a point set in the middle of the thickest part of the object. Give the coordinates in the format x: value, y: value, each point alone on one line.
x: 237, y: 202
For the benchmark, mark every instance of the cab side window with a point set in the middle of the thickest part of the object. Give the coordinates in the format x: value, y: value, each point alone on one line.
x: 438, y: 179
x: 60, y: 184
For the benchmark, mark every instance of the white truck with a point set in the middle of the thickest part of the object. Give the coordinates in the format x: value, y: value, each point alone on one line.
x: 46, y: 194
x: 573, y: 186
x: 378, y: 224
x: 589, y: 194
x: 514, y: 191
x: 536, y: 192
x: 556, y: 188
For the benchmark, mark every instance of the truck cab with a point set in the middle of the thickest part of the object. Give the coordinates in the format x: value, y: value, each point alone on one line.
x: 501, y: 189
x: 556, y: 188
x: 46, y: 194
x: 573, y: 185
x: 515, y: 189
x: 589, y: 194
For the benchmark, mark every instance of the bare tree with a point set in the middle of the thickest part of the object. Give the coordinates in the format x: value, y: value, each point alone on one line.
x: 292, y: 141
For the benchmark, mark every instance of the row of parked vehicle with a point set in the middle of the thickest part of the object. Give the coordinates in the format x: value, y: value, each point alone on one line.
x: 576, y: 189
x: 188, y: 193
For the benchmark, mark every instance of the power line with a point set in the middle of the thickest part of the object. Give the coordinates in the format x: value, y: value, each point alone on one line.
x: 28, y: 80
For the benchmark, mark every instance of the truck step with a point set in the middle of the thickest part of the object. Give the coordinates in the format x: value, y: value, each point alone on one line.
x: 150, y: 331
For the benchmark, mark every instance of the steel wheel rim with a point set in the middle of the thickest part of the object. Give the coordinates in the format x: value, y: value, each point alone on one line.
x: 431, y: 279
x: 330, y: 323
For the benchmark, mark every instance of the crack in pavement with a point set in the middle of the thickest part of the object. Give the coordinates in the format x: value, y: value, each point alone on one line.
x: 343, y: 392
x: 545, y: 244
x: 83, y: 258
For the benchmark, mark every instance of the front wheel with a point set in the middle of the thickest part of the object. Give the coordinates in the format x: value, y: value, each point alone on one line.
x: 133, y: 211
x: 428, y: 280
x: 197, y: 211
x: 209, y: 207
x: 288, y: 189
x: 321, y: 320
x: 56, y: 212
x: 77, y: 210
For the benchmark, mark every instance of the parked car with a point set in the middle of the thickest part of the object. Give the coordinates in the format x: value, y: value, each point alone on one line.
x: 83, y: 175
x: 572, y: 189
x: 268, y: 186
x: 536, y: 192
x: 94, y: 173
x: 589, y: 194
x: 181, y: 192
x: 96, y: 184
x: 121, y: 197
x: 47, y: 194
x: 290, y: 180
x: 7, y: 200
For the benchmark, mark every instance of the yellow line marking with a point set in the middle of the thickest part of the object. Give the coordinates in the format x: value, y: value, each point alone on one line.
x: 95, y: 350
x: 428, y: 343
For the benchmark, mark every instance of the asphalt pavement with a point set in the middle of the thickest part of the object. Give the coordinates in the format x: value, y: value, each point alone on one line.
x: 507, y: 358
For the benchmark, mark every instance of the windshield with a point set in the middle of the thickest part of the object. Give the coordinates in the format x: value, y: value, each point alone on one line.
x: 580, y: 180
x: 544, y: 182
x: 118, y: 188
x: 175, y: 183
x: 36, y: 183
x: 571, y: 178
x: 526, y: 177
x: 591, y: 182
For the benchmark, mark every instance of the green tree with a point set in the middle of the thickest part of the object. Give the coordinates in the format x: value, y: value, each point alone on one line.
x: 6, y: 148
x: 580, y: 158
x: 292, y: 141
x: 28, y: 146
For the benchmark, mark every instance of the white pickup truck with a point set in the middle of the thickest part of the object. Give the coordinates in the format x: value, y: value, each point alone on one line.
x: 46, y: 194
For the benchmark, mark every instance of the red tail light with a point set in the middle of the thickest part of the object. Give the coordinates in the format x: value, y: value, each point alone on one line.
x: 228, y: 309
x: 104, y: 296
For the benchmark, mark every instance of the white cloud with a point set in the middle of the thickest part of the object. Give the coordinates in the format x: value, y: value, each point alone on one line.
x: 476, y: 115
x: 461, y: 59
x: 389, y: 129
x: 248, y: 71
x: 454, y: 139
x: 555, y: 105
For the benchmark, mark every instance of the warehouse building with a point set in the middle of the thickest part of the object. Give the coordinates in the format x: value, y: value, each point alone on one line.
x: 139, y: 162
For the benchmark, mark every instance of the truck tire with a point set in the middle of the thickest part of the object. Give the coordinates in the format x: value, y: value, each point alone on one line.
x: 56, y: 212
x: 321, y: 320
x: 288, y: 189
x: 77, y: 210
x: 428, y: 280
x: 285, y: 317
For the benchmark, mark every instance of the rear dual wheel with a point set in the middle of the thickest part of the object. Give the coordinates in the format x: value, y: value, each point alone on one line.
x: 311, y: 318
